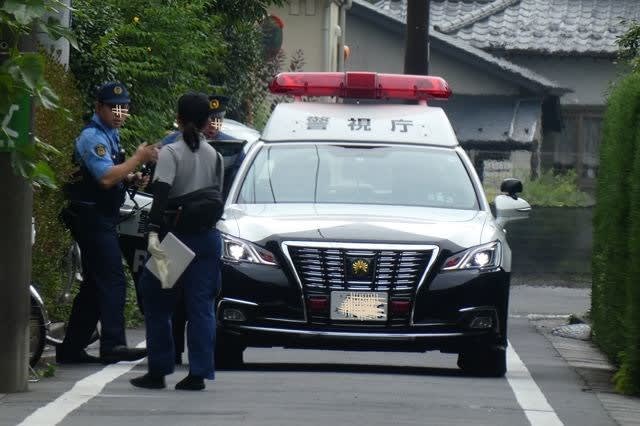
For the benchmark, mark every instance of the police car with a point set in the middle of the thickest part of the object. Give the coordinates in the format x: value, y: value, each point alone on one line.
x: 355, y: 225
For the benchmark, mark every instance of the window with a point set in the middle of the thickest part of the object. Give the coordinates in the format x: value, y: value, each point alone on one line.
x: 341, y: 174
x: 577, y: 146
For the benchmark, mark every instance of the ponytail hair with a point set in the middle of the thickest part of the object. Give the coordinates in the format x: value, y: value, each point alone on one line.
x: 191, y: 136
x: 193, y: 114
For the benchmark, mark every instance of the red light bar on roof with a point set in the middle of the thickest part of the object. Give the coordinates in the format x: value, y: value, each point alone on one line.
x: 360, y: 85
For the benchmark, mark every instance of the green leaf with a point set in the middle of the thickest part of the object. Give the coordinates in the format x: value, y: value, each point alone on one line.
x: 30, y: 69
x: 43, y: 174
x: 47, y: 97
x: 45, y: 146
x: 25, y: 11
x: 56, y: 31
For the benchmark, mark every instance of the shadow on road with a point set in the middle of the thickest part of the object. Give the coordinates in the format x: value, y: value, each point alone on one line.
x: 348, y: 368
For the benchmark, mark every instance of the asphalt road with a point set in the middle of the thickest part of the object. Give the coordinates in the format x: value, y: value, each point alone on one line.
x: 299, y: 387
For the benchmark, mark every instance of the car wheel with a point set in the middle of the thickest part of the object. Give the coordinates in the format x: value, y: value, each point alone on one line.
x: 489, y: 362
x: 228, y: 353
x: 37, y: 333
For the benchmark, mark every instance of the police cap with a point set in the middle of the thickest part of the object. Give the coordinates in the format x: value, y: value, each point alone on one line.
x: 113, y: 93
x: 218, y: 105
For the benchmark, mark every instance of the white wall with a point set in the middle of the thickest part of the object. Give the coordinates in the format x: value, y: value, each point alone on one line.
x: 588, y: 77
x: 378, y: 49
x: 304, y: 21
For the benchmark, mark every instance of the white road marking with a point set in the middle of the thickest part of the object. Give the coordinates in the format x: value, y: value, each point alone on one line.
x: 528, y: 394
x: 83, y: 391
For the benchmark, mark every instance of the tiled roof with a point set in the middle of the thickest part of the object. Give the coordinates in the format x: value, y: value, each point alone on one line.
x: 567, y: 27
x: 455, y: 45
x: 503, y: 64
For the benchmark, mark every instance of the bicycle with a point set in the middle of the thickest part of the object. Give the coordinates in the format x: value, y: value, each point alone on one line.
x: 42, y: 331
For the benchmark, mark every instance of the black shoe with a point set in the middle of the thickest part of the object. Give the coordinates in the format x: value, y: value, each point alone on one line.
x: 191, y: 383
x: 80, y: 357
x: 149, y: 381
x: 122, y: 353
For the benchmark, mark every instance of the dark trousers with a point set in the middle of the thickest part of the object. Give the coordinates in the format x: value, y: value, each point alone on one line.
x: 199, y: 284
x: 179, y: 322
x: 103, y: 290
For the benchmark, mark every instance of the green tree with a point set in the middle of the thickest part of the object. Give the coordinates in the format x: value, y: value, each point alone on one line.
x: 22, y: 160
x: 22, y: 76
x: 616, y: 288
x: 629, y: 45
x: 160, y: 49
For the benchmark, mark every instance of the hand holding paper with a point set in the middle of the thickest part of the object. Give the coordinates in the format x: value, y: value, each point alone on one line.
x: 160, y: 258
x: 169, y: 258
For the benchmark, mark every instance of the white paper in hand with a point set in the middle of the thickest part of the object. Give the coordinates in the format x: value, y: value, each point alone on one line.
x: 179, y: 257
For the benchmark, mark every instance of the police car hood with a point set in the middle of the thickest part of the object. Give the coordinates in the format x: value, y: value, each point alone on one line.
x: 262, y: 223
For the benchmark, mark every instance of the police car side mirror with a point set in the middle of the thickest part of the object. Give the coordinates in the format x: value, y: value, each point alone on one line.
x: 511, y: 187
x: 510, y: 207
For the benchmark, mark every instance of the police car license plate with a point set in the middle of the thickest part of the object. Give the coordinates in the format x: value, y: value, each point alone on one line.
x: 359, y: 305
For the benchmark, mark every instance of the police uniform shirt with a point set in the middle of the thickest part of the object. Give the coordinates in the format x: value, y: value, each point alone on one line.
x: 98, y: 148
x: 224, y: 137
x: 170, y: 138
x: 186, y: 171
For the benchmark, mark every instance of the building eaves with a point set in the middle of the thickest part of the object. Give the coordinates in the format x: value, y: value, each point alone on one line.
x: 464, y: 51
x: 516, y: 73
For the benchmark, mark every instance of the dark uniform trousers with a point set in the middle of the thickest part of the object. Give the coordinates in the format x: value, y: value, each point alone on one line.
x: 103, y: 289
x: 199, y: 284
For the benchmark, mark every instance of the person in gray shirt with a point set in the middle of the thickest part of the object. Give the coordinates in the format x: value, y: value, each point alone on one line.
x: 187, y: 187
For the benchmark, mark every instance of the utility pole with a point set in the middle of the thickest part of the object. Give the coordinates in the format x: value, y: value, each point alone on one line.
x: 15, y: 247
x: 416, y: 54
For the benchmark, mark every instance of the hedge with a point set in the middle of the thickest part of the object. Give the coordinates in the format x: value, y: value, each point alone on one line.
x: 59, y: 129
x: 616, y: 271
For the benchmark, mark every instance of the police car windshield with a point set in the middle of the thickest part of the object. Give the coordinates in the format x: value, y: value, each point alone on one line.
x: 358, y: 174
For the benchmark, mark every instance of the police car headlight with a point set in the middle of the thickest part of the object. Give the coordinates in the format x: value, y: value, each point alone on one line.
x: 484, y: 257
x: 237, y: 250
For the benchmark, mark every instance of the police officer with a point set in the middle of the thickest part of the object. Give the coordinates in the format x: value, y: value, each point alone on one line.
x: 212, y: 131
x: 217, y: 111
x: 95, y: 196
x: 187, y: 191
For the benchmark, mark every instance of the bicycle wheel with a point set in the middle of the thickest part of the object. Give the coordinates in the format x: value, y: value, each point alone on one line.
x: 71, y: 275
x: 37, y: 333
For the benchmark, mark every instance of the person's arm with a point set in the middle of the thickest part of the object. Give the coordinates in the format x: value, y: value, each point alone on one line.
x: 163, y: 178
x: 160, y: 202
x: 119, y: 173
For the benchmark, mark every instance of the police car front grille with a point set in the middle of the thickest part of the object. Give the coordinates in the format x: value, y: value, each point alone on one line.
x: 322, y: 270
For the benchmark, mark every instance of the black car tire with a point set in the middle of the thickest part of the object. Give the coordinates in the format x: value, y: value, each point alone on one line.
x: 37, y: 333
x: 489, y: 362
x: 228, y: 353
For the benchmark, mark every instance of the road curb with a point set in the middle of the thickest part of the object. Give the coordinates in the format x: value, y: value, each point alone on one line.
x: 595, y: 370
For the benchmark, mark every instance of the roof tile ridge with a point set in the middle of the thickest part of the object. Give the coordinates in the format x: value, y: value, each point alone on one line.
x: 476, y: 15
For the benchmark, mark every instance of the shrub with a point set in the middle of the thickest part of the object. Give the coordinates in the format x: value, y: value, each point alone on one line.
x: 615, y: 292
x: 551, y: 190
x: 555, y: 190
x: 58, y: 128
